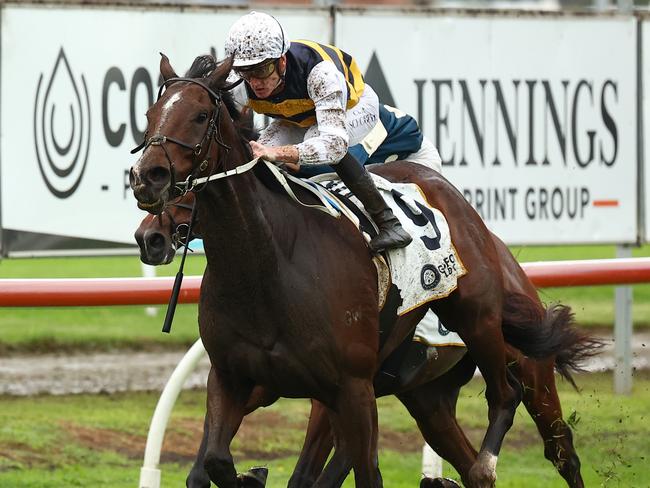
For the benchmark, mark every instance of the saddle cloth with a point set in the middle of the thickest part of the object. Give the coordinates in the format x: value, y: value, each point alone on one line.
x: 429, y: 267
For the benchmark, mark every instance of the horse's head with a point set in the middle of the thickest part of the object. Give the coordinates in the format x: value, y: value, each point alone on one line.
x: 183, y: 132
x: 160, y: 235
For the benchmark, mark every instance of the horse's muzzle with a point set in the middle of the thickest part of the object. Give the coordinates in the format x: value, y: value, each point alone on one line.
x: 155, y: 248
x: 150, y: 188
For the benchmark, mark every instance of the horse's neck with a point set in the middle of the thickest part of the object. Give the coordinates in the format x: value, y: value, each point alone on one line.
x: 244, y: 224
x: 237, y: 223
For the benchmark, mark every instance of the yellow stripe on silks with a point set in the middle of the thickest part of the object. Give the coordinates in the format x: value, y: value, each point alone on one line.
x: 355, y: 90
x: 308, y: 122
x: 354, y: 96
x: 287, y: 108
x: 316, y: 47
x: 345, y: 66
x: 359, y: 84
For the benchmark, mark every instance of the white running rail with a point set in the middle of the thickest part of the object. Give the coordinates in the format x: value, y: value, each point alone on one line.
x: 150, y: 471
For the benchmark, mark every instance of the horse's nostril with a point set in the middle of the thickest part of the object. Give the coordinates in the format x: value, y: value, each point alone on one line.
x: 156, y: 241
x: 132, y: 178
x: 158, y: 175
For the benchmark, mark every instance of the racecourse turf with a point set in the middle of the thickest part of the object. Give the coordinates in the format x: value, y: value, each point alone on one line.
x: 98, y: 440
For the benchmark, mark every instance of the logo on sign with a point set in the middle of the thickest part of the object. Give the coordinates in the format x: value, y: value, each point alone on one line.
x: 62, y: 128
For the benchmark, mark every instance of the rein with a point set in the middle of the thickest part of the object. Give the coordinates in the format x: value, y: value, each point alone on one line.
x: 176, y: 289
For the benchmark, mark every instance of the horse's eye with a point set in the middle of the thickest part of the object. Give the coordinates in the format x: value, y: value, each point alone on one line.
x: 202, y: 117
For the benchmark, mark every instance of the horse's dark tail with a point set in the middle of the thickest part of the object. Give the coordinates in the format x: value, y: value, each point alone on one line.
x: 541, y: 332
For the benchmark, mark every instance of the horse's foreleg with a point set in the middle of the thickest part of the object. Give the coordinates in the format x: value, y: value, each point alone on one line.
x: 433, y: 406
x: 337, y: 469
x: 198, y: 476
x: 354, y: 424
x: 316, y: 448
x: 543, y: 405
x: 479, y: 325
x: 226, y: 410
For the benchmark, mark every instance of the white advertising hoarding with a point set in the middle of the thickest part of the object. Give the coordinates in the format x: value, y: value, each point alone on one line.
x: 74, y: 97
x: 534, y: 116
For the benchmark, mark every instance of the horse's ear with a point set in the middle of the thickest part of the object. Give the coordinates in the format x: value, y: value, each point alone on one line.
x: 217, y: 78
x: 166, y: 69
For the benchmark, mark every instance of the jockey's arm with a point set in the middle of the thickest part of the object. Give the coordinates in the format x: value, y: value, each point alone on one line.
x: 328, y: 89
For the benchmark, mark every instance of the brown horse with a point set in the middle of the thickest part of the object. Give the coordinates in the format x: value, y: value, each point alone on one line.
x: 430, y: 396
x: 294, y: 292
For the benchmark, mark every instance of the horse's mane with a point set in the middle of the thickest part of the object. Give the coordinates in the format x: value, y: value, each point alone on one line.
x: 203, y: 66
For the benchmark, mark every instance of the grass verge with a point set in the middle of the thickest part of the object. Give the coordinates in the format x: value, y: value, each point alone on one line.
x: 99, y: 440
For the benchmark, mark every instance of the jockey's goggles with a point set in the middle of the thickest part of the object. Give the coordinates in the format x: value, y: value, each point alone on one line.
x: 259, y: 71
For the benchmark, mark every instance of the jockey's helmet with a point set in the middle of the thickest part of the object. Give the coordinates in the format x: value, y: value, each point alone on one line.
x: 254, y: 38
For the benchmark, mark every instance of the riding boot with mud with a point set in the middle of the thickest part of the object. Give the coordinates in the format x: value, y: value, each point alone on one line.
x: 391, y: 233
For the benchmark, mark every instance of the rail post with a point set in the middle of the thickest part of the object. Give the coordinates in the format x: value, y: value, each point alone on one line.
x: 431, y: 462
x: 623, y: 332
x: 149, y: 271
x: 150, y: 471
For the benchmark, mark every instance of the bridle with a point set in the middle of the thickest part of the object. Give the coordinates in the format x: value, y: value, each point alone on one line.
x: 211, y: 134
x: 181, y: 231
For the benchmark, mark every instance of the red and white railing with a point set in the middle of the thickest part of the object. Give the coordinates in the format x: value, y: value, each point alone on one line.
x: 149, y: 291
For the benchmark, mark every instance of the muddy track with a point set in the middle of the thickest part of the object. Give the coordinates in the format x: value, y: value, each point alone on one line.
x: 139, y: 371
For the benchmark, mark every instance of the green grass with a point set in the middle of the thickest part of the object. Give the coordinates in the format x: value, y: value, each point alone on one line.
x: 593, y: 305
x: 110, y: 327
x: 99, y: 440
x: 32, y: 329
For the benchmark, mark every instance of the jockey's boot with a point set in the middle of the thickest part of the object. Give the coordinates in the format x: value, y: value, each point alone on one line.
x: 391, y: 233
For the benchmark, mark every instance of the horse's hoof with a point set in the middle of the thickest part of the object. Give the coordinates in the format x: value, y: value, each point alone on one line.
x: 438, y: 483
x: 253, y: 478
x: 483, y: 473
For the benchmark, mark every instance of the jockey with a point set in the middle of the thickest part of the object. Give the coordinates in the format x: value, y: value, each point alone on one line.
x: 320, y: 107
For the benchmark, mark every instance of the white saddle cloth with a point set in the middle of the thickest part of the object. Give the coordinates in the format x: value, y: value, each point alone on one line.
x: 429, y: 267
